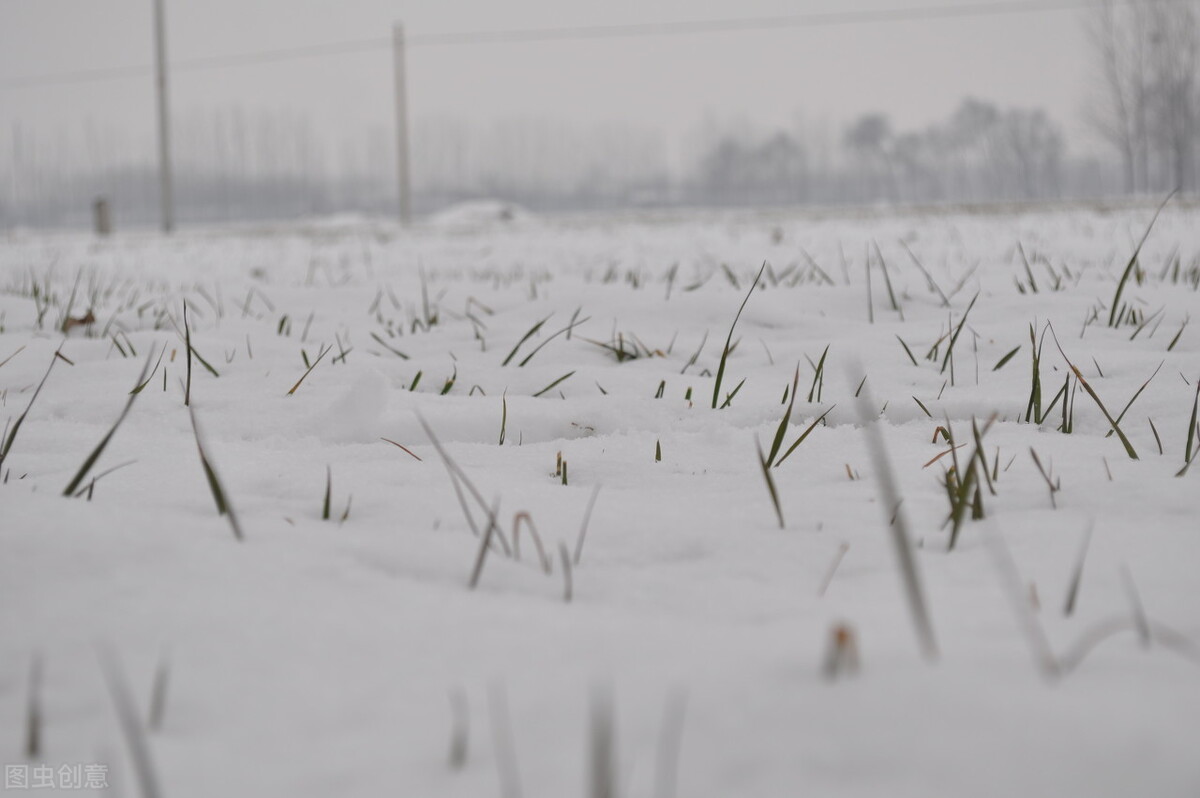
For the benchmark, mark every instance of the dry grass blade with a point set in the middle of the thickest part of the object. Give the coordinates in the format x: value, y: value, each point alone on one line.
x: 1108, y: 416
x: 402, y: 447
x: 4, y: 362
x: 324, y: 352
x: 131, y: 725
x: 889, y: 493
x: 95, y: 455
x: 940, y: 455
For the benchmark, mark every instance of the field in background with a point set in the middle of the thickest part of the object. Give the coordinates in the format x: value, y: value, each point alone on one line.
x: 714, y: 505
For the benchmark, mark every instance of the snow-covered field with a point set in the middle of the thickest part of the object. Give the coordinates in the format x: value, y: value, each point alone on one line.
x: 704, y: 650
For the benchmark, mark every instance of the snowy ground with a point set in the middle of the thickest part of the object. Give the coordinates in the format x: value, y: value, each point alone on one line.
x: 331, y: 657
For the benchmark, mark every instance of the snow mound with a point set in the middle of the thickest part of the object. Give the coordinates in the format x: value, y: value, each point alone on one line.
x: 354, y: 417
x: 479, y: 214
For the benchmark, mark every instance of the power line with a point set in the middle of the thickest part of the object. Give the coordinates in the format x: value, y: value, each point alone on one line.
x: 201, y: 63
x: 526, y: 35
x: 813, y: 20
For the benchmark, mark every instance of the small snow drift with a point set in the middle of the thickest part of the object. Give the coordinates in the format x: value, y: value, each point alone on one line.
x: 479, y: 215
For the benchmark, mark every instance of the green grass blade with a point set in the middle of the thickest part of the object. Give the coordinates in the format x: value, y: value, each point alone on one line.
x: 1129, y: 267
x: 898, y: 529
x: 954, y: 338
x: 220, y: 497
x: 783, y: 422
x: 729, y: 339
x: 532, y: 332
x: 766, y: 471
x: 804, y: 435
x: 95, y: 455
x: 10, y: 438
x: 1004, y: 360
x: 561, y: 379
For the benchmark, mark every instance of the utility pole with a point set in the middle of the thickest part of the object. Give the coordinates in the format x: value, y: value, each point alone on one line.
x: 166, y: 198
x: 403, y: 184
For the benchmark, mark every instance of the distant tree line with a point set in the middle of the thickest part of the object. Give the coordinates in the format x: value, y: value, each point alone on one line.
x: 980, y: 153
x: 234, y: 164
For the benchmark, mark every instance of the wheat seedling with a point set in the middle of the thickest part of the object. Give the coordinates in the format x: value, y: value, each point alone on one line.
x: 728, y: 348
x: 95, y: 455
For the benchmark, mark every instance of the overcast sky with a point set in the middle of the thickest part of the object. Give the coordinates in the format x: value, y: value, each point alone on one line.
x: 915, y: 71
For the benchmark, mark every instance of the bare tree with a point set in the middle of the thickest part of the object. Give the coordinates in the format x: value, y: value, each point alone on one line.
x: 1174, y: 62
x: 1145, y: 102
x: 868, y: 140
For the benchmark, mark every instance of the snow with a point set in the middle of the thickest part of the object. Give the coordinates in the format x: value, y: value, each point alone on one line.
x: 319, y: 657
x: 477, y: 215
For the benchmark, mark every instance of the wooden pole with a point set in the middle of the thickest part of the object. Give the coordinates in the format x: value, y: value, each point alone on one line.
x: 166, y: 198
x: 403, y: 183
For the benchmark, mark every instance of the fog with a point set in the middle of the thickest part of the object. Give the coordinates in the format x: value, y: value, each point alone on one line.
x: 287, y: 109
